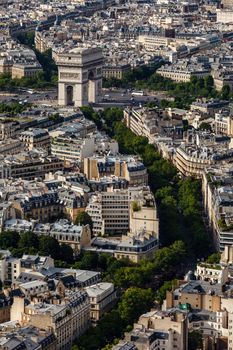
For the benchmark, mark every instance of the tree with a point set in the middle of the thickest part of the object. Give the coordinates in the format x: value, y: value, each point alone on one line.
x: 9, y: 239
x: 195, y: 340
x: 84, y: 218
x: 66, y: 253
x: 214, y: 258
x: 167, y: 286
x: 49, y: 246
x: 130, y: 276
x: 134, y: 302
x: 205, y: 126
x: 28, y: 240
x: 89, y: 261
x: 226, y: 92
x: 209, y: 82
x: 27, y: 38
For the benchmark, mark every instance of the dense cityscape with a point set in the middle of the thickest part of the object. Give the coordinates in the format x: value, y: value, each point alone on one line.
x: 116, y: 175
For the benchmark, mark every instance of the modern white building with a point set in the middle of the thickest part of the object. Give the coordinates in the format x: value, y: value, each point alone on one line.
x: 76, y: 148
x: 109, y: 212
x: 119, y: 211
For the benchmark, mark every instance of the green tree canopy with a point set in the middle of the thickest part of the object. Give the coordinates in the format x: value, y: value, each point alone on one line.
x: 195, y: 340
x: 226, y: 92
x: 9, y: 239
x: 49, y: 246
x: 84, y: 218
x: 89, y: 261
x: 214, y: 258
x: 28, y: 240
x: 134, y: 302
x: 66, y: 253
x: 205, y: 126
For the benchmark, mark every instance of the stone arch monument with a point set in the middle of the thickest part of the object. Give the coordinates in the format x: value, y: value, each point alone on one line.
x: 79, y: 76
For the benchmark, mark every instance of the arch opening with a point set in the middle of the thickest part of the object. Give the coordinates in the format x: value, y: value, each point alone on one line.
x: 70, y: 95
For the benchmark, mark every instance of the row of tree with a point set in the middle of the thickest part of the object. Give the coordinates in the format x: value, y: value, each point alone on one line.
x: 132, y: 77
x: 135, y: 297
x: 38, y: 82
x: 179, y: 205
x: 30, y: 243
x: 13, y: 108
x: 179, y: 202
x: 184, y: 93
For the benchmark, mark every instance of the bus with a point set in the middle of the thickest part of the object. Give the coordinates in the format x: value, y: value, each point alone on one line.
x: 30, y: 91
x: 137, y: 93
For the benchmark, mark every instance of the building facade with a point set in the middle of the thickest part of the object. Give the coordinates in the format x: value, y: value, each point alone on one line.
x: 79, y: 76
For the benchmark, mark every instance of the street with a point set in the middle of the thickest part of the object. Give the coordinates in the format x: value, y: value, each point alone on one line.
x: 110, y: 97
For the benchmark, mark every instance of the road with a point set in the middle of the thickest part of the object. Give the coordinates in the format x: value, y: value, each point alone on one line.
x: 110, y: 98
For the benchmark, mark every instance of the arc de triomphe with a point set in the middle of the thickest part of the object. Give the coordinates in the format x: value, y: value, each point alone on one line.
x: 79, y: 76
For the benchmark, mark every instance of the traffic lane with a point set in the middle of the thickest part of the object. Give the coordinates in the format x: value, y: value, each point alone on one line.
x: 31, y: 98
x: 117, y: 96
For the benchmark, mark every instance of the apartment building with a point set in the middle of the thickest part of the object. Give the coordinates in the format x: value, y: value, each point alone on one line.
x: 122, y: 345
x: 19, y: 66
x: 11, y: 146
x: 32, y: 288
x: 109, y: 212
x: 75, y: 236
x: 8, y: 129
x: 73, y: 202
x: 43, y: 207
x: 224, y: 15
x: 212, y: 325
x: 218, y: 195
x: 221, y: 78
x: 102, y: 298
x: 214, y: 273
x: 208, y: 107
x: 190, y: 162
x: 207, y: 301
x: 76, y: 148
x: 14, y: 337
x: 143, y: 214
x: 200, y: 151
x: 25, y: 70
x: 160, y: 330
x: 127, y: 167
x: 117, y: 211
x: 29, y: 165
x: 223, y: 122
x: 11, y: 267
x: 183, y: 71
x: 198, y: 294
x: 115, y: 71
x: 72, y: 149
x: 153, y: 123
x: 143, y: 122
x: 152, y: 42
x: 132, y: 246
x: 68, y: 320
x: 36, y: 138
